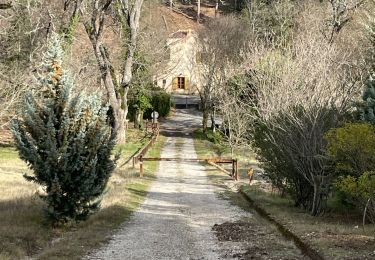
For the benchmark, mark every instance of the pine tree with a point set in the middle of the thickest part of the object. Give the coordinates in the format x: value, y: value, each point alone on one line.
x: 66, y: 142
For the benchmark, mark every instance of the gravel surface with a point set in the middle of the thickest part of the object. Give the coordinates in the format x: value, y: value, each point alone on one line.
x: 176, y: 219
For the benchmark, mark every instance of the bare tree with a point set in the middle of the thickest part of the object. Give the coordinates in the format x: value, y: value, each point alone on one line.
x: 301, y: 93
x: 232, y: 100
x: 222, y: 44
x: 23, y: 31
x: 128, y: 14
x: 341, y: 14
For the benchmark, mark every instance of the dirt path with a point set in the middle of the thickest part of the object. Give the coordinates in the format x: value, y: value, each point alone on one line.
x: 176, y: 219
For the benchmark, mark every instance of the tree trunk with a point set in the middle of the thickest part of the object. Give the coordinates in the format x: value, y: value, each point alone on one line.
x: 138, y: 119
x: 205, y: 119
x: 118, y: 111
x: 199, y: 10
x: 117, y: 94
x: 317, y: 199
x: 213, y: 123
x: 109, y: 84
x: 133, y: 23
x: 121, y: 127
x: 126, y: 107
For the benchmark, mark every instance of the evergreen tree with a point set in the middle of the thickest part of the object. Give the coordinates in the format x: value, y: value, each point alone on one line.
x: 367, y: 108
x: 65, y: 141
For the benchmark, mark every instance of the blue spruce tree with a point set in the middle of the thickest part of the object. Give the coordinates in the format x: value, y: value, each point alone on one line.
x: 66, y: 142
x: 368, y: 105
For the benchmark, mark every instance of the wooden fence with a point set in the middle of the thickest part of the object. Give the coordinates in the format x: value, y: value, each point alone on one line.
x: 212, y: 161
x: 155, y: 133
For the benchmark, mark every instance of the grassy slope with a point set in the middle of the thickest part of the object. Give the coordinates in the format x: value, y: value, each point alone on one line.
x: 23, y: 231
x: 337, y: 235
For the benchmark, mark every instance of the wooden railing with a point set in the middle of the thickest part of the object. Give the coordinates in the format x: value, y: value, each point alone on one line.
x: 212, y: 161
x: 155, y: 134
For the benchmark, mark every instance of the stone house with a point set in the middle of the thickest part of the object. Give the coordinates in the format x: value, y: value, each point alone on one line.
x: 180, y: 72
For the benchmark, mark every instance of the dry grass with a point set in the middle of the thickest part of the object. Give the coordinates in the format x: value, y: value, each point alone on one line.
x: 23, y: 230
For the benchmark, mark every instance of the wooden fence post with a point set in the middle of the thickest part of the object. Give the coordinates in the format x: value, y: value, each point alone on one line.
x: 141, y: 166
x: 237, y: 176
x: 233, y: 170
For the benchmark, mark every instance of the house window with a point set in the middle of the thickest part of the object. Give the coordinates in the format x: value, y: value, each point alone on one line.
x: 164, y: 82
x: 181, y: 82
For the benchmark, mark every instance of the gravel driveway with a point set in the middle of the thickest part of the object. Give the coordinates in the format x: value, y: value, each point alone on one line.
x: 176, y: 219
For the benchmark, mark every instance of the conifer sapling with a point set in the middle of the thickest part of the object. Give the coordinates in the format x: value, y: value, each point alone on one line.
x: 66, y: 142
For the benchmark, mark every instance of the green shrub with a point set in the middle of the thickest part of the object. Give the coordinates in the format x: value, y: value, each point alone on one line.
x: 361, y: 190
x: 66, y: 142
x: 352, y: 148
x: 139, y: 102
x: 214, y: 137
x: 148, y: 101
x: 161, y: 102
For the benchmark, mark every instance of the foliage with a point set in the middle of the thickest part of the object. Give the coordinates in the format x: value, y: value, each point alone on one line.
x: 367, y: 107
x: 214, y: 137
x: 20, y: 36
x: 148, y: 100
x: 66, y: 141
x: 302, y: 91
x: 68, y: 32
x: 142, y: 101
x: 352, y: 148
x: 161, y: 102
x: 362, y: 191
x: 370, y: 26
x: 143, y: 96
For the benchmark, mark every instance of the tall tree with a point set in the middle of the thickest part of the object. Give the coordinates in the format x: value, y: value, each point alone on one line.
x: 222, y: 42
x: 129, y: 13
